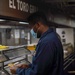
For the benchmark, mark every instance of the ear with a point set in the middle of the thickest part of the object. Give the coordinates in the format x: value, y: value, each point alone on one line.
x: 38, y: 24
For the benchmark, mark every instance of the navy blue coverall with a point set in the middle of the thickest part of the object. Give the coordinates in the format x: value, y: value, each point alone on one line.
x: 48, y: 59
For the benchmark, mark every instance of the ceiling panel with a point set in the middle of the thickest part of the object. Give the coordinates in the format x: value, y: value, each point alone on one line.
x: 66, y: 7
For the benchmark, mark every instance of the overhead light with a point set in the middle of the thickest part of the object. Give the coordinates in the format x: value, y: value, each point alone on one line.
x: 23, y: 23
x: 2, y: 20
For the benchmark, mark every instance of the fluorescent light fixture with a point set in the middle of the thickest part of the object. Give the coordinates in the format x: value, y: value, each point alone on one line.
x: 23, y: 23
x: 2, y: 20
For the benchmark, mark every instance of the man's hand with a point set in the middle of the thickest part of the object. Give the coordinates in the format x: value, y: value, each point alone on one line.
x: 13, y: 69
x: 22, y: 66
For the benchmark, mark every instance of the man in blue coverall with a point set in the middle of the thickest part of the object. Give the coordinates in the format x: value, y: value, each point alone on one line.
x: 48, y: 59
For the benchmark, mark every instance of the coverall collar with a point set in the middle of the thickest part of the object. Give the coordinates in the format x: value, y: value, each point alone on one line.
x: 48, y: 31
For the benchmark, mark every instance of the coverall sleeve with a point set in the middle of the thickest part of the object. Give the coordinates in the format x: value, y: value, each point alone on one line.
x: 42, y: 61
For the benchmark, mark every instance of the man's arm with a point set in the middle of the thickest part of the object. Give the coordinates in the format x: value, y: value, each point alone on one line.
x: 41, y: 62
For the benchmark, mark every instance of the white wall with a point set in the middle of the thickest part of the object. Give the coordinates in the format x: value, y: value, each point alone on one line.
x: 63, y: 20
x: 69, y: 34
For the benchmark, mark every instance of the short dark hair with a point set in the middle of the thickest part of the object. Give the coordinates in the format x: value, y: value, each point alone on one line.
x: 36, y: 17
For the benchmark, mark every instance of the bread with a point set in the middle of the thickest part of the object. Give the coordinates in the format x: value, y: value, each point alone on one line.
x: 11, y: 64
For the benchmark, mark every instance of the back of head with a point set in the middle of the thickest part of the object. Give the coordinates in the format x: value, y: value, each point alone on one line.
x: 37, y: 17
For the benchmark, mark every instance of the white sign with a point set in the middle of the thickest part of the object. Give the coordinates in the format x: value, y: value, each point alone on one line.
x: 22, y: 6
x: 17, y: 33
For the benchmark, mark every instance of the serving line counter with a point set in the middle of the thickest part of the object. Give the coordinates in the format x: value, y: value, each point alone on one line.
x: 69, y: 64
x: 13, y: 54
